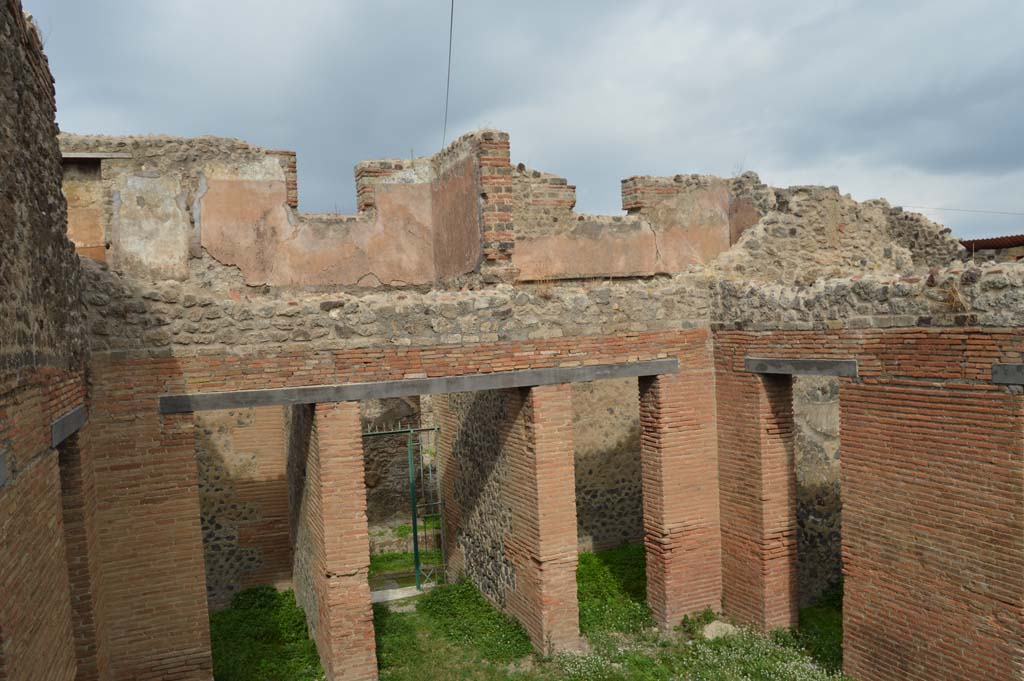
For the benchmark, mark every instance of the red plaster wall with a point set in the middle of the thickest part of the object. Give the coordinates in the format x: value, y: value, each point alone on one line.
x: 455, y: 214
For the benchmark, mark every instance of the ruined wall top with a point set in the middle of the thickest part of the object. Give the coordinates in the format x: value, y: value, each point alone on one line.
x: 202, y: 208
x: 202, y: 249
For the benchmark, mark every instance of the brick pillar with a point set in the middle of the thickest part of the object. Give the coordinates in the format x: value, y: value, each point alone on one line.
x: 543, y: 542
x: 758, y: 498
x: 679, y: 465
x: 344, y: 631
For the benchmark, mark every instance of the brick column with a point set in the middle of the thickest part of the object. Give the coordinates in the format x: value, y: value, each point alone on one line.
x: 679, y: 465
x: 543, y: 542
x: 344, y: 631
x: 758, y: 488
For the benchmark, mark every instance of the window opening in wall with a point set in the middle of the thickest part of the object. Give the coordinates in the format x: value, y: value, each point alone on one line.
x: 403, y: 498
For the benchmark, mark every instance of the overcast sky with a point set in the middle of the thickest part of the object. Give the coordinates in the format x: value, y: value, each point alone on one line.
x: 918, y: 102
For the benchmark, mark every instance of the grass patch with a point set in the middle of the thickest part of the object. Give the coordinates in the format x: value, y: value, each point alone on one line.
x: 263, y: 637
x: 428, y: 524
x: 612, y: 591
x: 464, y: 617
x: 401, y: 561
x: 820, y: 633
x: 402, y: 531
x: 455, y: 634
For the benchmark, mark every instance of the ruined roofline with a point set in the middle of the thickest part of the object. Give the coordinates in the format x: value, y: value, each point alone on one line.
x: 468, y: 211
x: 396, y: 169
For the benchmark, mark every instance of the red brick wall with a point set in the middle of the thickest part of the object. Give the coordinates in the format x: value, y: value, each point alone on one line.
x: 758, y: 492
x: 146, y: 477
x: 932, y: 487
x: 306, y: 515
x: 680, y: 491
x: 78, y: 494
x: 496, y: 191
x: 151, y: 571
x: 36, y: 606
x: 966, y: 554
x: 933, y: 534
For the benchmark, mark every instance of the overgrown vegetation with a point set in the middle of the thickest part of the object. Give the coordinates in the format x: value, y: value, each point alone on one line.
x: 820, y: 633
x: 263, y: 637
x: 453, y: 633
x: 401, y: 561
x: 464, y: 617
x: 612, y: 591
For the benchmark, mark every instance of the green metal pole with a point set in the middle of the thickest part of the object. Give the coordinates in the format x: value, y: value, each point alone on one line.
x: 415, y: 520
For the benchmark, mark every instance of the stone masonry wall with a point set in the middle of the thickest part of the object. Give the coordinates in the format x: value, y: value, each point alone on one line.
x: 243, y: 495
x: 609, y: 501
x: 818, y: 490
x: 42, y: 356
x: 475, y: 477
x: 38, y: 269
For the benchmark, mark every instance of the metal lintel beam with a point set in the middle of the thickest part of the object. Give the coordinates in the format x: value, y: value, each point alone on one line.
x: 67, y: 425
x: 350, y: 392
x: 94, y: 155
x: 1008, y: 374
x: 846, y: 368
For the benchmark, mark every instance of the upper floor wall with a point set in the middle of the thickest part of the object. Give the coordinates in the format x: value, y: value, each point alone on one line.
x: 152, y: 206
x: 162, y: 208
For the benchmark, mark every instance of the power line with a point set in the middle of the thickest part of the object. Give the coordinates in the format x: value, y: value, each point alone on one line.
x: 968, y: 210
x: 448, y: 80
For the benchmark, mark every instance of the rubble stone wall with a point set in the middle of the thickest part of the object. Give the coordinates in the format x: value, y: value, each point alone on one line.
x: 818, y: 491
x: 243, y: 495
x: 475, y: 462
